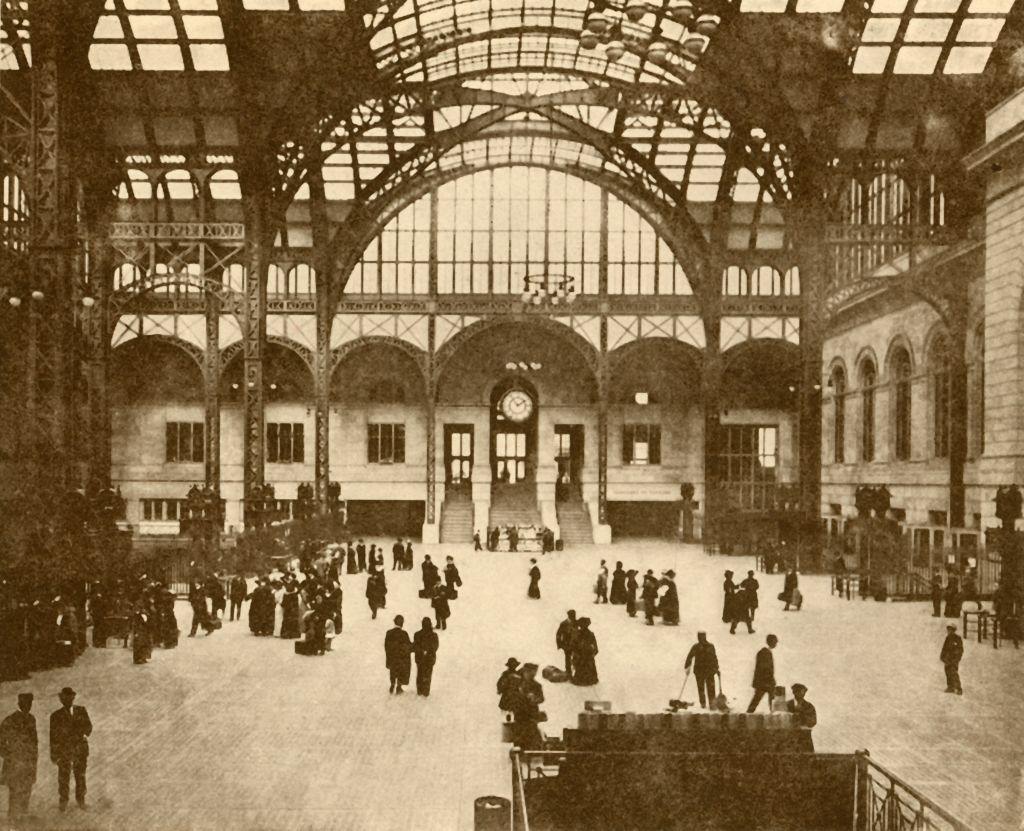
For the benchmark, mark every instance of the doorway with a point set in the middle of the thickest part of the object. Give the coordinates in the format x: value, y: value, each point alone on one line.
x: 569, y: 460
x: 458, y: 456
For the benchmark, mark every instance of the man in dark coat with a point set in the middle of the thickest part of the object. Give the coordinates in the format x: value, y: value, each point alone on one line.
x: 215, y: 591
x: 19, y: 748
x: 741, y: 611
x: 750, y: 586
x: 513, y: 538
x: 764, y: 674
x: 351, y: 564
x: 424, y: 647
x: 397, y: 556
x: 200, y: 616
x: 70, y: 729
x: 430, y: 575
x: 452, y: 578
x: 376, y: 593
x: 565, y: 635
x: 237, y: 595
x: 397, y: 651
x: 361, y: 555
x: 649, y: 594
x: 952, y: 652
x: 704, y: 661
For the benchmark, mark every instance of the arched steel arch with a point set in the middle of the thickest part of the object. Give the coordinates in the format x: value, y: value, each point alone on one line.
x: 454, y: 345
x: 687, y: 351
x: 306, y: 355
x: 419, y: 358
x: 190, y: 349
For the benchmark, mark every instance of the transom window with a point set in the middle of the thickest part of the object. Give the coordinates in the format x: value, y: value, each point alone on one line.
x: 641, y: 444
x: 496, y: 228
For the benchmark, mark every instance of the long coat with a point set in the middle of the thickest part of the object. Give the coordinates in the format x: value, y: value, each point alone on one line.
x: 764, y: 670
x: 19, y: 747
x: 703, y: 658
x: 397, y: 652
x: 583, y: 653
x: 424, y: 647
x: 952, y: 649
x: 69, y: 734
x: 729, y: 588
x: 618, y: 590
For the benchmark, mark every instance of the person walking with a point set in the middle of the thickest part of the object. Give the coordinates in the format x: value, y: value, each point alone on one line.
x: 70, y: 729
x: 513, y: 538
x: 729, y: 591
x: 476, y: 541
x: 565, y: 637
x: 791, y: 590
x: 439, y: 602
x: 952, y: 652
x: 669, y: 604
x: 750, y: 586
x: 741, y: 606
x: 430, y: 576
x: 649, y: 595
x: 601, y: 585
x: 197, y: 600
x: 376, y: 593
x: 704, y: 661
x: 237, y: 592
x: 19, y: 749
x: 452, y: 578
x: 424, y: 647
x: 397, y: 651
x: 584, y: 652
x: 631, y: 589
x: 397, y: 556
x: 534, y: 589
x: 764, y: 674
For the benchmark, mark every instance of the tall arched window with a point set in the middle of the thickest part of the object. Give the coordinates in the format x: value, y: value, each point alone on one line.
x: 15, y: 214
x: 901, y: 371
x: 838, y: 383
x: 868, y: 381
x: 938, y: 362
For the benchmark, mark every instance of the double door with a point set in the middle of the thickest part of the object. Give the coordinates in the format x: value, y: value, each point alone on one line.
x: 458, y: 456
x: 568, y: 460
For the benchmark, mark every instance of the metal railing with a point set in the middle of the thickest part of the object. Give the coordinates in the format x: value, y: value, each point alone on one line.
x: 887, y: 803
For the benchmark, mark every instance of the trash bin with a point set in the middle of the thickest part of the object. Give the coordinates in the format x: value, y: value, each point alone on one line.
x: 492, y: 813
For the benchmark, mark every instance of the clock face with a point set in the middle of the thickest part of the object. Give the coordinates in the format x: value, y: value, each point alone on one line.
x: 516, y: 405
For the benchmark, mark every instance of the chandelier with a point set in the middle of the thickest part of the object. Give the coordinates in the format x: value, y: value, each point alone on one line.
x: 551, y: 289
x: 676, y: 27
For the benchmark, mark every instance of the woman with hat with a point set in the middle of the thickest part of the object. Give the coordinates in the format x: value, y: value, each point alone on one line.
x: 508, y: 684
x: 670, y: 599
x: 729, y: 589
x: 584, y: 651
x: 534, y: 589
x: 526, y: 708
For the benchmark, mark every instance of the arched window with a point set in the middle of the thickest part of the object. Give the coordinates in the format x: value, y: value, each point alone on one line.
x: 302, y: 280
x: 901, y: 371
x: 734, y: 281
x: 277, y: 280
x: 939, y: 365
x: 136, y: 186
x: 838, y: 384
x: 126, y: 276
x: 234, y: 277
x: 224, y: 185
x: 868, y: 381
x: 791, y: 282
x: 508, y: 229
x: 765, y: 282
x: 177, y: 184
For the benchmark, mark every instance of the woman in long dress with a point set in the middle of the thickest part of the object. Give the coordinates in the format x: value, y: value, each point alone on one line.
x: 669, y: 600
x: 290, y: 613
x: 534, y: 589
x: 729, y: 590
x: 618, y: 593
x: 584, y: 652
x: 631, y: 589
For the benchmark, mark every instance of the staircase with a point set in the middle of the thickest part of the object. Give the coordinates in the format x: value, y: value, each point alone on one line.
x: 574, y: 521
x: 514, y: 505
x: 457, y: 518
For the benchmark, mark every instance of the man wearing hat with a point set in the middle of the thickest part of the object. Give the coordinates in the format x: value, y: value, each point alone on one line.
x: 704, y: 660
x: 565, y: 637
x: 803, y: 711
x: 70, y: 728
x: 19, y: 748
x: 397, y: 652
x: 952, y: 652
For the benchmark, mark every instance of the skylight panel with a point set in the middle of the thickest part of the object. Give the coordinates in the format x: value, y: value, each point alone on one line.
x: 265, y: 5
x: 155, y: 35
x: 322, y: 5
x: 926, y: 35
x: 799, y: 6
x: 764, y: 6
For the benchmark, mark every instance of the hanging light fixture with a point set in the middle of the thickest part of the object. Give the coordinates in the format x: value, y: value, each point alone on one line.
x: 681, y: 11
x: 707, y: 24
x: 588, y: 40
x: 635, y: 9
x: 598, y: 23
x: 614, y: 50
x: 693, y: 45
x: 657, y: 51
x: 88, y: 301
x: 14, y: 301
x: 37, y: 295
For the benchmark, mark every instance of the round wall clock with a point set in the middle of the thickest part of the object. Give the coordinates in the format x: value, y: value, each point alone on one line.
x: 516, y: 405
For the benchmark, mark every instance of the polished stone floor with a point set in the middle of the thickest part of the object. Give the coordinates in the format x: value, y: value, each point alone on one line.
x: 234, y: 732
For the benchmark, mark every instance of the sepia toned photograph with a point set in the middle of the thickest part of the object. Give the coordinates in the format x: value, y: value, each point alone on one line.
x: 511, y: 415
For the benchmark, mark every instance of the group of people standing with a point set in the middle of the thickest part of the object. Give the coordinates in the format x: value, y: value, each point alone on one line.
x: 579, y: 646
x: 740, y: 602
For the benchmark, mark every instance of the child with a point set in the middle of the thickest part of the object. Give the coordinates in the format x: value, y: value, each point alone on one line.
x: 328, y: 634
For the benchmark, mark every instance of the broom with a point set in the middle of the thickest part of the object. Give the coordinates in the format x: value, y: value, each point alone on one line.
x: 675, y: 704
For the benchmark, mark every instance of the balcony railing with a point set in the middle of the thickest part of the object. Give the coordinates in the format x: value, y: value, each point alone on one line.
x: 887, y: 803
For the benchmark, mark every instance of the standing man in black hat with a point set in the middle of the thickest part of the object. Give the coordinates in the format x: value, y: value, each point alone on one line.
x: 397, y: 655
x: 565, y: 637
x: 952, y: 652
x: 70, y: 729
x: 19, y: 748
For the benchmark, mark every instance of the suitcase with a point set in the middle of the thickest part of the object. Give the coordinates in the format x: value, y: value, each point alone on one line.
x: 424, y: 594
x: 554, y: 675
x: 214, y: 624
x: 304, y: 648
